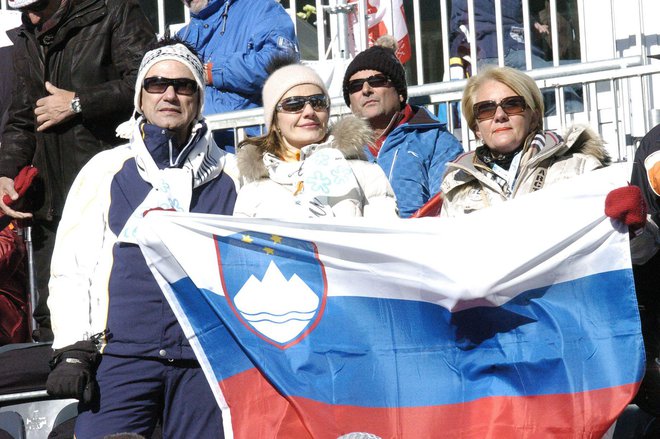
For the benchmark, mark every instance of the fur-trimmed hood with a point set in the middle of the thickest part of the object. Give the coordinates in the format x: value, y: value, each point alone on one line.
x: 349, y: 135
x: 584, y: 140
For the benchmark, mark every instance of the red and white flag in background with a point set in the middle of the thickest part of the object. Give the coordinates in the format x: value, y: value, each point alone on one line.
x: 379, y: 13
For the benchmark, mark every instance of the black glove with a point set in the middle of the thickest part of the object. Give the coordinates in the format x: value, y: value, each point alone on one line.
x: 73, y: 372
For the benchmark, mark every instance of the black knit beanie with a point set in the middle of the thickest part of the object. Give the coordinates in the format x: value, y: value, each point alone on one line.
x: 382, y: 59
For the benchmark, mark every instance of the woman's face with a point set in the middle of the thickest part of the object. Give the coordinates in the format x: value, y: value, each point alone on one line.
x: 503, y: 133
x: 304, y: 127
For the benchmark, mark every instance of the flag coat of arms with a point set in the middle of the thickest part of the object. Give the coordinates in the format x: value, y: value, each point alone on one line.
x: 516, y: 321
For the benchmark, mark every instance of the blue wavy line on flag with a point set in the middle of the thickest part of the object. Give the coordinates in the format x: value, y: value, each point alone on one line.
x: 289, y: 319
x: 571, y: 337
x: 279, y: 315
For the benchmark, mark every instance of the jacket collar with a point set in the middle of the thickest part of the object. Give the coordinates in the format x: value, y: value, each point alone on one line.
x: 421, y: 117
x: 163, y: 147
x: 578, y: 139
x: 80, y: 13
x: 211, y: 8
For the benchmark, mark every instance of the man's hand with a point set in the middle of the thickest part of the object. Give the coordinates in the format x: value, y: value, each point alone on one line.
x: 7, y: 188
x: 54, y: 109
x: 542, y: 28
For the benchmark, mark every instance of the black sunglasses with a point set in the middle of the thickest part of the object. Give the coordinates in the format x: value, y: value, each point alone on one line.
x: 374, y: 81
x: 158, y: 84
x: 295, y: 104
x: 485, y: 110
x: 35, y: 7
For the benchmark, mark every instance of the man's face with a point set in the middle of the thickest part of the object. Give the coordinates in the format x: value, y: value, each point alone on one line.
x: 196, y: 6
x: 375, y: 104
x: 171, y: 109
x: 41, y: 11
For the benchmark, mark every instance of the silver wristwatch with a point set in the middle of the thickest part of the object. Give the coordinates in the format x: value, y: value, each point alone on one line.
x: 75, y: 105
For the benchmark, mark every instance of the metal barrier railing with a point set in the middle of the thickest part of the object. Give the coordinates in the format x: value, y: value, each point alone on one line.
x: 608, y: 104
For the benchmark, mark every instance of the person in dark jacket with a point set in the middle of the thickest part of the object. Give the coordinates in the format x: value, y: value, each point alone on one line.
x: 513, y: 34
x: 75, y: 63
x: 412, y: 146
x: 646, y: 175
x: 9, y: 21
x: 513, y: 44
x: 103, y: 297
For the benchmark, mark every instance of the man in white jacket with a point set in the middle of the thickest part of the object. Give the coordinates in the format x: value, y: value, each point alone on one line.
x: 118, y: 346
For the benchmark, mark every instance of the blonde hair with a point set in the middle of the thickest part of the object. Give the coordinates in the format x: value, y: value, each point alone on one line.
x: 521, y: 83
x: 270, y: 142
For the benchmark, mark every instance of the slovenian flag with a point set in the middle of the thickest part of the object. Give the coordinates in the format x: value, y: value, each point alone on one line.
x: 516, y: 321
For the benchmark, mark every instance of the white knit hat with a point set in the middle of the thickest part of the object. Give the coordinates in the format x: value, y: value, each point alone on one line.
x: 176, y: 52
x: 17, y: 4
x: 283, y: 80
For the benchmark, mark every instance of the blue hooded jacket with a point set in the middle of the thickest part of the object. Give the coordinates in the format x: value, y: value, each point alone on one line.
x: 486, y: 33
x: 239, y: 37
x: 414, y: 156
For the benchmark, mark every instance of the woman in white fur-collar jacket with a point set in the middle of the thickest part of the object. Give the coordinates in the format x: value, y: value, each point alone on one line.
x: 301, y: 170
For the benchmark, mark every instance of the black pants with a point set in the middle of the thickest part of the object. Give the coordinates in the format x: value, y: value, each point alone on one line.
x: 43, y: 242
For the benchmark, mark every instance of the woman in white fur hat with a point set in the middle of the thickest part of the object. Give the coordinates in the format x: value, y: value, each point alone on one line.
x: 301, y: 168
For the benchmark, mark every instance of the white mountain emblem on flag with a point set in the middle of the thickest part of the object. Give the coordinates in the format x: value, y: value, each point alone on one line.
x: 279, y: 309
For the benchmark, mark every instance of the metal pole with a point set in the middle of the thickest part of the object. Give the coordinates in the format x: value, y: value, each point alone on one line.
x: 339, y: 27
x: 499, y: 33
x: 418, y: 41
x: 342, y: 28
x: 527, y: 30
x: 32, y: 278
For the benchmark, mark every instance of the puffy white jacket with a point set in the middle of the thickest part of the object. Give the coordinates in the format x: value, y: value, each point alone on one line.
x: 332, y: 179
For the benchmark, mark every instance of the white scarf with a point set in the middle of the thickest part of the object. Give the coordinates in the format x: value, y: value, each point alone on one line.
x: 172, y: 187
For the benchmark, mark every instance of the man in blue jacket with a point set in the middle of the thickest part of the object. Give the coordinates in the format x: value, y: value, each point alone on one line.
x: 411, y: 146
x: 236, y: 39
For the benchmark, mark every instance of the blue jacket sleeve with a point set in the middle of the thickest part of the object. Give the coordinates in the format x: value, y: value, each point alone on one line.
x: 447, y: 148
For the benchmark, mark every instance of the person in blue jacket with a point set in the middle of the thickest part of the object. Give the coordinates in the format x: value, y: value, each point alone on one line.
x: 513, y: 34
x: 513, y: 44
x: 236, y: 39
x: 412, y: 146
x: 119, y: 348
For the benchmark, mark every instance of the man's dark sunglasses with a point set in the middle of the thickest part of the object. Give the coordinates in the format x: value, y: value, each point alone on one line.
x: 485, y: 110
x: 35, y: 7
x: 374, y: 81
x: 295, y: 104
x: 158, y: 84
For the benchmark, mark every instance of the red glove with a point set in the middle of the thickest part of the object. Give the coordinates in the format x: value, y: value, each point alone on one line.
x: 626, y: 204
x: 21, y: 183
